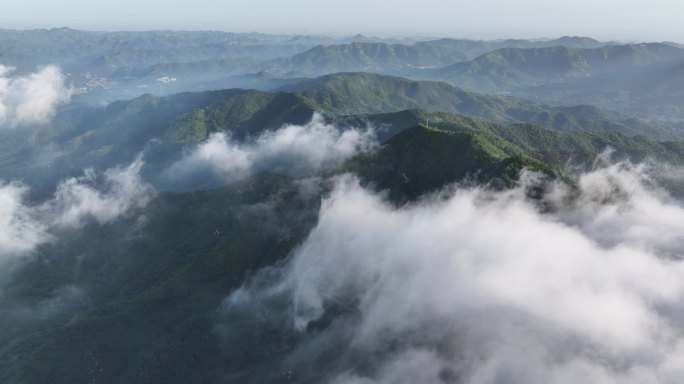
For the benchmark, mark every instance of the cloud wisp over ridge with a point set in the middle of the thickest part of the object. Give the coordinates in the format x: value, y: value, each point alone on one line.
x: 478, y: 286
x: 19, y: 231
x: 24, y: 226
x: 31, y: 99
x: 291, y: 149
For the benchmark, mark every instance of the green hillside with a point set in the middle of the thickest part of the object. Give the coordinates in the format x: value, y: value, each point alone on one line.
x: 421, y: 159
x: 358, y: 93
x: 556, y: 148
x: 101, y: 137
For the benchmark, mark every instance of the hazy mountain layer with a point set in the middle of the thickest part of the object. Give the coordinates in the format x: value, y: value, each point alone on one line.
x: 638, y: 78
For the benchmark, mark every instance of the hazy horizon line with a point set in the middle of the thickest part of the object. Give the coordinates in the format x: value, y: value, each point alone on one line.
x: 339, y: 35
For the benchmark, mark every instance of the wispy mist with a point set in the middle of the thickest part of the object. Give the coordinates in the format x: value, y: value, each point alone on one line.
x: 23, y: 225
x: 474, y: 286
x: 31, y: 99
x: 292, y: 150
x: 19, y: 232
x: 77, y: 200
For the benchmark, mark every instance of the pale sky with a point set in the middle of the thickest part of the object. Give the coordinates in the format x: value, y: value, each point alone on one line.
x: 652, y: 20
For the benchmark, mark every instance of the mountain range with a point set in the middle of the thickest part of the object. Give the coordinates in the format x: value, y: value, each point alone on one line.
x: 152, y: 232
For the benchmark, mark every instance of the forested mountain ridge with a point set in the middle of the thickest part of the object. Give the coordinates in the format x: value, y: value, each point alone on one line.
x: 213, y: 207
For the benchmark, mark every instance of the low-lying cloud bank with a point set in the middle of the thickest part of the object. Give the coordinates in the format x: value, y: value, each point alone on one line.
x: 24, y: 226
x: 31, y: 99
x: 586, y: 285
x: 292, y: 150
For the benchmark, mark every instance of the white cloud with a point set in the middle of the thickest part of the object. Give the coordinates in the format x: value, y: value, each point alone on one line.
x: 76, y: 200
x: 292, y: 149
x: 24, y: 226
x: 31, y: 99
x: 19, y: 231
x: 489, y: 287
